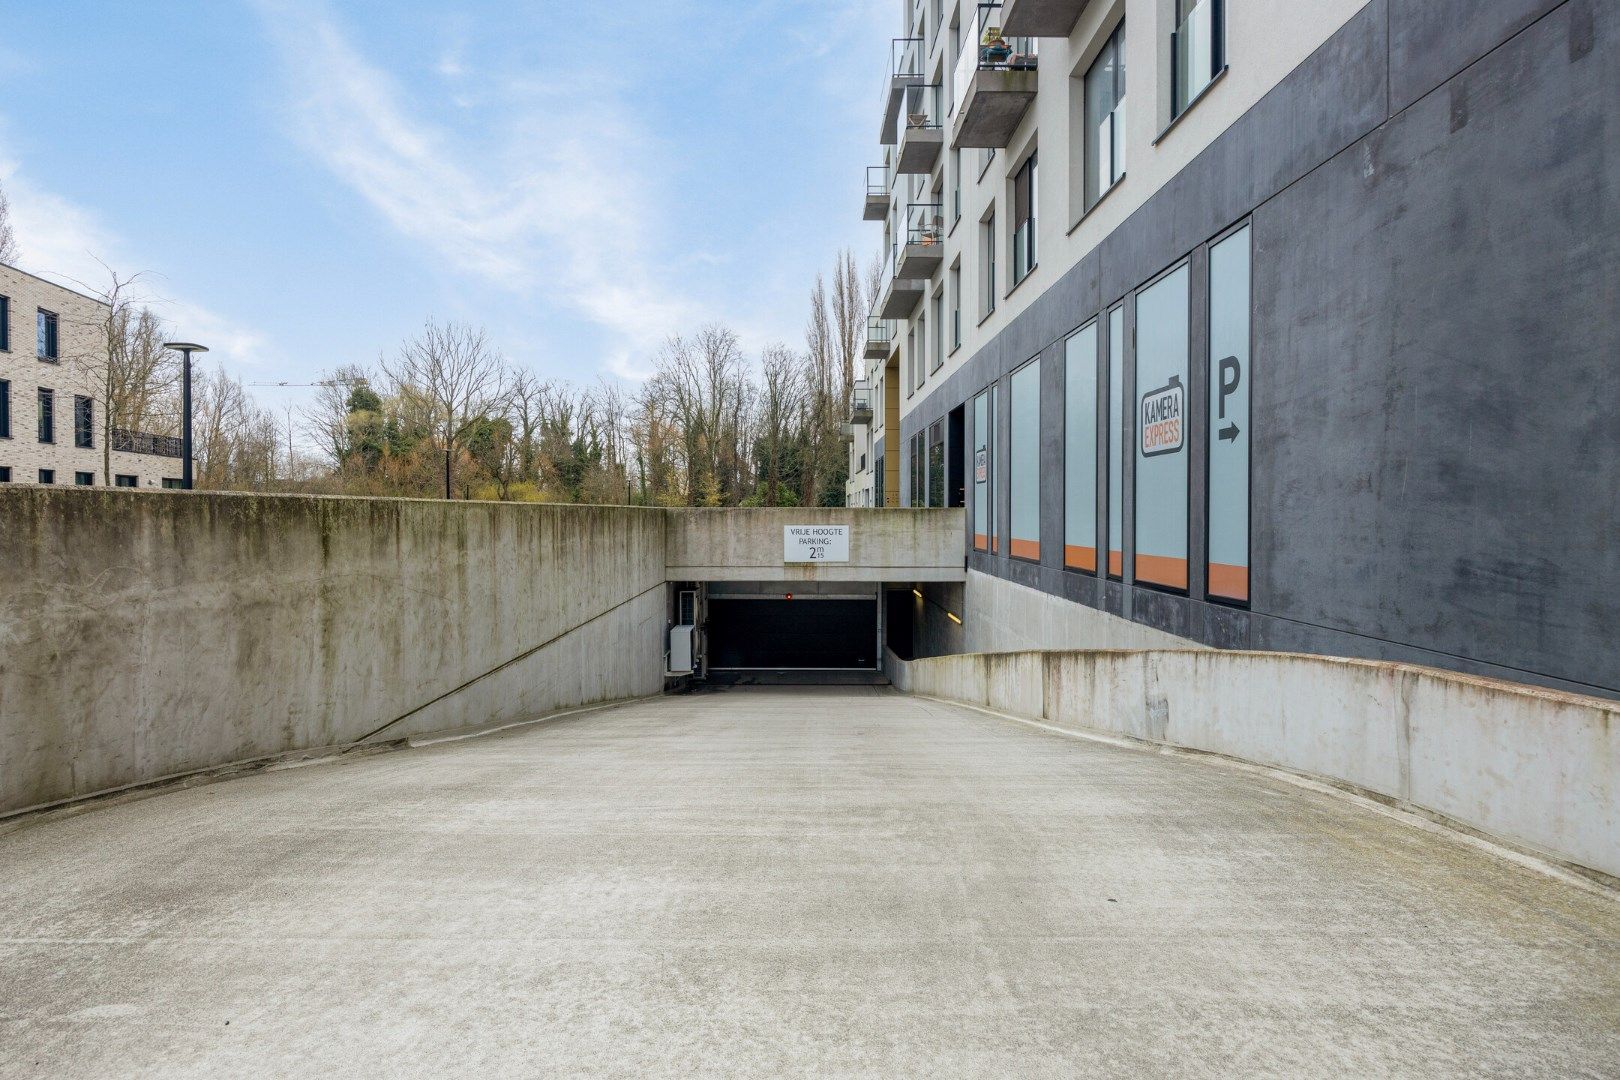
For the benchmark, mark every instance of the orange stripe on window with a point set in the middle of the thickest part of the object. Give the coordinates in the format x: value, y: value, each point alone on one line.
x: 981, y: 542
x: 1026, y: 549
x: 1230, y: 582
x: 1081, y: 558
x: 1162, y: 570
x: 1116, y: 563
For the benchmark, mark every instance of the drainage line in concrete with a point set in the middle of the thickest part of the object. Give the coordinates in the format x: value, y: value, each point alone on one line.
x: 502, y: 666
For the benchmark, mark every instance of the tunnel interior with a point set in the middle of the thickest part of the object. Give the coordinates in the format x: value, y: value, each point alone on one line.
x: 790, y: 626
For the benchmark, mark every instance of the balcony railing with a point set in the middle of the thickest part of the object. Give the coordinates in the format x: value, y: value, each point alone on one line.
x: 860, y: 404
x: 877, y: 181
x: 906, y: 58
x: 922, y: 107
x: 879, y: 338
x: 925, y: 223
x: 139, y: 442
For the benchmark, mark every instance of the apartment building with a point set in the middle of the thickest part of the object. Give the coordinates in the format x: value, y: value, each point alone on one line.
x: 1283, y: 324
x: 53, y: 420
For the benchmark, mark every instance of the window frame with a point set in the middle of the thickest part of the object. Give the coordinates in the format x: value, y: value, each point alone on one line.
x: 119, y: 478
x: 1113, y: 48
x: 47, y: 336
x: 45, y: 423
x: 1114, y: 370
x: 1025, y: 189
x: 1030, y: 366
x: 1217, y: 62
x: 987, y: 267
x: 5, y: 324
x: 1098, y: 461
x: 1185, y: 263
x: 5, y: 408
x: 84, y: 422
x: 986, y: 439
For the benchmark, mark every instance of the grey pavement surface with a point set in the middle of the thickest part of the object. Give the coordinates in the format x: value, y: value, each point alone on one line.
x: 763, y: 882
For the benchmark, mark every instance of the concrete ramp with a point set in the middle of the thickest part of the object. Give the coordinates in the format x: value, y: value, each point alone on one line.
x: 820, y: 882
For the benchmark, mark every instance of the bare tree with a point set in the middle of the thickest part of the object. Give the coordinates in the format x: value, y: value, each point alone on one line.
x: 238, y: 444
x: 458, y: 374
x: 8, y: 237
x: 781, y: 405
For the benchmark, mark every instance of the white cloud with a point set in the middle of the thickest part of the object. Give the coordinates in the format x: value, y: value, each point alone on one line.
x: 556, y: 209
x: 63, y: 242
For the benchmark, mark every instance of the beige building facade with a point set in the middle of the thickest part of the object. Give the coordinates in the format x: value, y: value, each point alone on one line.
x: 53, y: 420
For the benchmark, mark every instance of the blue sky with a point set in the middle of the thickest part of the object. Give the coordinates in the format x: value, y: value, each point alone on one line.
x: 304, y: 181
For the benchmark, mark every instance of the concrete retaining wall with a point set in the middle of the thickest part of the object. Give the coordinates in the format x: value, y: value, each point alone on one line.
x: 1538, y: 769
x: 884, y: 545
x: 144, y: 635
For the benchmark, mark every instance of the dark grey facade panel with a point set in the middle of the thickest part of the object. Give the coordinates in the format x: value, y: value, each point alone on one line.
x: 1430, y: 42
x: 1437, y: 455
x: 1436, y: 337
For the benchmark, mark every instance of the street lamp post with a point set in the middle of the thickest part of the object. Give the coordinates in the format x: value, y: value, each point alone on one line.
x: 185, y: 349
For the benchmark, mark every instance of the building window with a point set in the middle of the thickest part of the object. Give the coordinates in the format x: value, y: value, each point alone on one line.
x: 936, y: 464
x: 1227, y: 432
x: 1161, y: 431
x: 5, y: 409
x: 921, y: 366
x: 84, y: 479
x: 912, y: 379
x: 84, y: 422
x: 5, y: 474
x: 5, y: 324
x: 1197, y: 50
x: 47, y: 415
x: 46, y: 334
x: 1104, y: 135
x: 47, y: 476
x: 1023, y: 239
x: 939, y: 330
x: 918, y: 497
x: 171, y: 483
x: 1080, y: 449
x: 1024, y: 464
x: 956, y: 306
x: 987, y: 267
x: 1116, y: 442
x: 956, y: 187
x: 123, y: 480
x: 982, y: 441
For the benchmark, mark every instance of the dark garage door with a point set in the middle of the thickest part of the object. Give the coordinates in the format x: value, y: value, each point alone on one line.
x: 792, y: 633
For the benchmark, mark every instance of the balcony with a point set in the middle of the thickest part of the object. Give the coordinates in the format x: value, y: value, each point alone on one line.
x: 901, y: 295
x: 921, y: 135
x: 860, y: 404
x: 905, y: 70
x: 877, y: 193
x: 995, y: 82
x: 139, y: 442
x: 1041, y: 18
x: 925, y: 241
x: 879, y: 339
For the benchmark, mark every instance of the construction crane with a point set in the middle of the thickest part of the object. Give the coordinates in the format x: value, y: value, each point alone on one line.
x: 323, y: 382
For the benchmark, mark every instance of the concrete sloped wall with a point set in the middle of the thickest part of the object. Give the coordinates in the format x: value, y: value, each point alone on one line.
x: 144, y: 635
x: 1538, y: 769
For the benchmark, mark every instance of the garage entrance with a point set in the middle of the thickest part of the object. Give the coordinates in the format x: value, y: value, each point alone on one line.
x: 774, y: 632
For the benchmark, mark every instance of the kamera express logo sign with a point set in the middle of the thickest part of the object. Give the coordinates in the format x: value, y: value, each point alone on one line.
x: 1164, y: 412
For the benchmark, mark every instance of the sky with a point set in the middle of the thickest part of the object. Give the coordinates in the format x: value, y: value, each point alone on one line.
x: 301, y: 183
